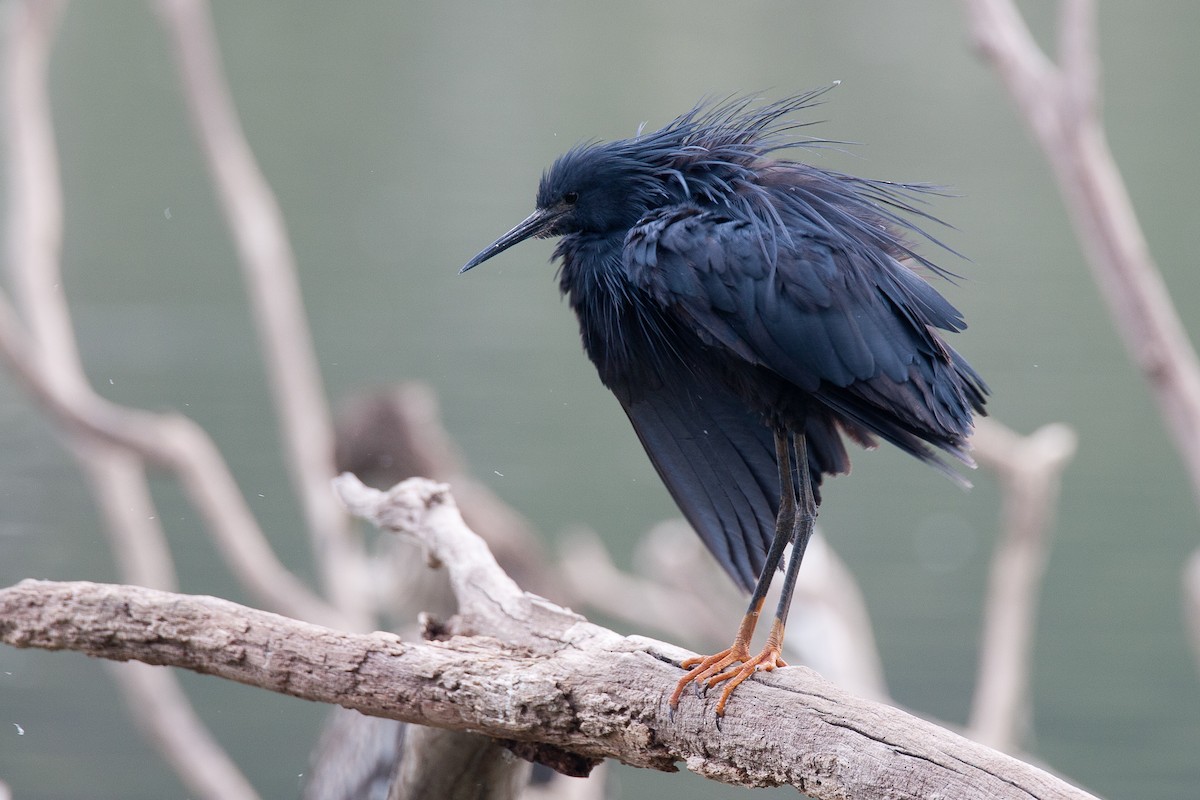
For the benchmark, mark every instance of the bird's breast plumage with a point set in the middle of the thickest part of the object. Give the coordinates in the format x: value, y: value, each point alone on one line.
x: 607, y: 306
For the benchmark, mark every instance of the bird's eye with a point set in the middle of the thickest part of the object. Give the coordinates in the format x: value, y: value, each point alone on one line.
x: 571, y: 198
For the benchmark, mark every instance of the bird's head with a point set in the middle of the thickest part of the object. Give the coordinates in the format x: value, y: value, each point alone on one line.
x: 714, y: 155
x: 594, y: 188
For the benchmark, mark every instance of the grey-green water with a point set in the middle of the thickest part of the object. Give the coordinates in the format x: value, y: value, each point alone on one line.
x: 402, y: 137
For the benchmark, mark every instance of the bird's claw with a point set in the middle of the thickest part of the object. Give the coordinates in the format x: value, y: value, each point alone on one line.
x: 731, y: 667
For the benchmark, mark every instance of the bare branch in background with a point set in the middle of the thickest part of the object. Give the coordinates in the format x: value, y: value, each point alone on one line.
x: 517, y: 667
x: 390, y: 434
x: 1191, y: 601
x: 177, y: 443
x: 49, y: 366
x: 1060, y: 102
x: 269, y: 268
x: 355, y: 758
x: 434, y: 762
x: 48, y: 360
x: 163, y: 711
x: 1030, y: 470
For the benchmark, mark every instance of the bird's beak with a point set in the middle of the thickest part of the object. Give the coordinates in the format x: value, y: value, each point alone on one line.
x: 539, y: 223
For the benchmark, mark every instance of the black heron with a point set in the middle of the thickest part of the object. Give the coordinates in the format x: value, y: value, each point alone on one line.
x: 748, y: 312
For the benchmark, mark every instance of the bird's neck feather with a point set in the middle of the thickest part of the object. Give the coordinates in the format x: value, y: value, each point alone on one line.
x: 590, y: 264
x: 600, y: 294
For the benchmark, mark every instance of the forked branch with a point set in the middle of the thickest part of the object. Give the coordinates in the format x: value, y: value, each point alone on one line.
x: 519, y: 668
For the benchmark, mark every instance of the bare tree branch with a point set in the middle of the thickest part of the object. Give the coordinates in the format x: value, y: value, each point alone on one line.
x: 1030, y: 470
x: 1060, y: 103
x: 355, y: 759
x: 115, y: 474
x: 177, y: 443
x: 387, y: 435
x: 1191, y: 601
x: 537, y: 673
x: 269, y: 269
x: 434, y: 763
x: 163, y: 711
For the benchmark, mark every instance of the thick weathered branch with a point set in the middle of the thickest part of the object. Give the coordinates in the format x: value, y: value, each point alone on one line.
x: 582, y: 688
x: 550, y: 678
x: 681, y: 592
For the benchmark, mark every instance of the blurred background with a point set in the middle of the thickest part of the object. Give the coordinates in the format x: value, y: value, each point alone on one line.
x: 403, y: 137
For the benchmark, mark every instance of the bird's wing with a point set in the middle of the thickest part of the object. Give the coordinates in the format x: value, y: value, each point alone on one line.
x: 845, y: 323
x: 717, y: 459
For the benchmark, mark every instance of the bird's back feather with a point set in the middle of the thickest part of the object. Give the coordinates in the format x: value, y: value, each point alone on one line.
x: 845, y: 325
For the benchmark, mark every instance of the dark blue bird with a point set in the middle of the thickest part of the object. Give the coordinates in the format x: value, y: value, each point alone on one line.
x: 749, y: 312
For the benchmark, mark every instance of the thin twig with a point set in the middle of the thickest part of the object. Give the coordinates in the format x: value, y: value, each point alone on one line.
x: 269, y: 269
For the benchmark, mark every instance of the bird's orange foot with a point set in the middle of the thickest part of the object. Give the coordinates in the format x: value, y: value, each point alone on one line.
x: 731, y: 666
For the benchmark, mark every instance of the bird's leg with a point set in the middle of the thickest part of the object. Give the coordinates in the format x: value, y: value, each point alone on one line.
x: 709, y: 669
x: 802, y: 532
x: 771, y: 656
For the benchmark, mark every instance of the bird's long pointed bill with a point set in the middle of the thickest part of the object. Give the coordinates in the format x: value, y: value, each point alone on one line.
x: 535, y: 224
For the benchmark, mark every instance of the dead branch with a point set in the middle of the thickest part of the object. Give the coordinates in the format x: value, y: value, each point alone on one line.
x: 355, y: 757
x: 1060, y: 102
x: 51, y: 362
x: 434, y: 761
x: 269, y: 269
x: 1030, y: 469
x: 537, y: 673
x: 389, y: 434
x: 43, y: 356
